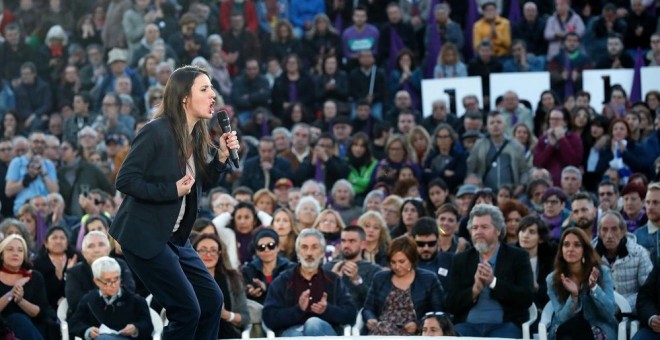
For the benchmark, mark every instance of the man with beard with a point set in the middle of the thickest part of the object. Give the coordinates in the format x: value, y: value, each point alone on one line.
x: 583, y: 214
x: 355, y: 272
x: 426, y: 234
x: 314, y: 301
x: 648, y: 235
x: 489, y: 297
x: 629, y: 262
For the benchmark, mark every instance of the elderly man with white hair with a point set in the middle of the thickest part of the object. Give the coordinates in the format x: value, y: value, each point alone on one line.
x: 79, y: 279
x: 111, y: 306
x: 343, y: 196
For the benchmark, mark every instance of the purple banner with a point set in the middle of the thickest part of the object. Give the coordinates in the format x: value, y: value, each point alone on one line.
x: 514, y: 12
x: 636, y: 91
x: 396, y: 45
x: 470, y: 19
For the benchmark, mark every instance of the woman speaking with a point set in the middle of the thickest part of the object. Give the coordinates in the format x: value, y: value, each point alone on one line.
x: 162, y: 179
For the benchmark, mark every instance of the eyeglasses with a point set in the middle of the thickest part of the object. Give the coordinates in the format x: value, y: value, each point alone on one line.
x: 552, y: 202
x: 109, y: 283
x: 269, y: 246
x: 210, y: 252
x: 430, y: 244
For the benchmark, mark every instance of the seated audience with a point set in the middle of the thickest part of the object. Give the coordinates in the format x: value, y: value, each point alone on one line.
x: 110, y: 307
x: 648, y: 307
x: 437, y: 324
x: 534, y: 237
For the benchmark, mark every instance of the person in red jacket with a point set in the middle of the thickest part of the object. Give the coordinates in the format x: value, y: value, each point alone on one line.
x: 558, y: 147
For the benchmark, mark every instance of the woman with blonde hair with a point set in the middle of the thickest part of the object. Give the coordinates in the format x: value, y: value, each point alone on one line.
x: 330, y: 224
x: 378, y: 237
x: 23, y: 302
x: 525, y: 136
x: 420, y: 141
x: 285, y: 226
x: 265, y: 200
x: 449, y: 63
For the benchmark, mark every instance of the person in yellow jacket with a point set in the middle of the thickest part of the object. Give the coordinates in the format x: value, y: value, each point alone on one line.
x: 494, y: 28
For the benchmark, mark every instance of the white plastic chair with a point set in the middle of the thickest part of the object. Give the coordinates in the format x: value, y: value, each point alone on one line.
x: 246, y: 332
x: 62, y: 308
x: 533, y: 315
x: 544, y: 323
x: 270, y: 334
x: 157, y: 322
x: 359, y: 323
x: 625, y: 309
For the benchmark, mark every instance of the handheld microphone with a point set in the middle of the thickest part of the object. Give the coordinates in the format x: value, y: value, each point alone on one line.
x: 223, y: 121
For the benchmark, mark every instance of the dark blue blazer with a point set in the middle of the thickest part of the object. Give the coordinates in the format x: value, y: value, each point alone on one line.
x: 144, y: 222
x: 514, y: 288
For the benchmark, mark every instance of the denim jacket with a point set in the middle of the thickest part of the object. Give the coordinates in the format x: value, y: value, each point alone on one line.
x: 597, y: 305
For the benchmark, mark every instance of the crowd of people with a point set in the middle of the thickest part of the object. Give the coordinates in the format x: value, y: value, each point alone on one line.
x: 347, y: 199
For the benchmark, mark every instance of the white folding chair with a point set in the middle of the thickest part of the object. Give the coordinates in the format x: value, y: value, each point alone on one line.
x: 246, y: 332
x: 359, y: 323
x: 533, y: 315
x: 270, y: 334
x: 626, y: 310
x: 62, y: 308
x: 157, y: 322
x: 544, y: 323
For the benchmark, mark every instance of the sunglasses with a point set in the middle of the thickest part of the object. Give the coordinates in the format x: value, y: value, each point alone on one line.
x: 439, y: 314
x: 430, y: 244
x: 269, y: 246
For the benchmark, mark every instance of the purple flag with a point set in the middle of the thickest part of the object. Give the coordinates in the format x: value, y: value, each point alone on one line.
x: 514, y: 12
x: 569, y: 89
x: 293, y: 91
x: 471, y: 17
x: 339, y: 23
x: 636, y: 91
x: 433, y: 43
x: 318, y: 171
x: 396, y: 45
x: 414, y: 96
x: 265, y: 130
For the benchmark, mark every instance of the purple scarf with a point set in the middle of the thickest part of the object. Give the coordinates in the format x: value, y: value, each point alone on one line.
x: 434, y: 43
x: 396, y: 45
x: 293, y: 92
x: 569, y: 89
x: 636, y: 91
x: 319, y: 176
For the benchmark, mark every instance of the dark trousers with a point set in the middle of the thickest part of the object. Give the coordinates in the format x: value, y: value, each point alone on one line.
x: 179, y: 281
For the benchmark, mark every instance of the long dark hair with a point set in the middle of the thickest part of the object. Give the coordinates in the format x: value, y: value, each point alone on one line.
x: 366, y: 158
x: 199, y: 142
x: 590, y: 257
x: 223, y: 267
x: 239, y: 206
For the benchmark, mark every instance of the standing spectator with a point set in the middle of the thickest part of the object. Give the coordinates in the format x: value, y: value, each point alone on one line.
x: 264, y: 170
x: 34, y: 98
x: 514, y: 112
x: 523, y: 61
x: 249, y: 91
x: 359, y: 37
x: 580, y: 280
x: 493, y: 28
x: 14, y: 52
x: 483, y: 65
x: 186, y: 43
x: 616, y: 57
x: 498, y: 159
x: 531, y: 29
x: 245, y: 8
x: 31, y: 175
x: 368, y: 83
x: 294, y: 85
x: 283, y: 42
x: 113, y: 35
x: 493, y: 301
x: 395, y: 35
x: 640, y: 26
x: 558, y: 147
x: 76, y: 177
x: 302, y: 13
x: 567, y: 65
x: 562, y: 22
